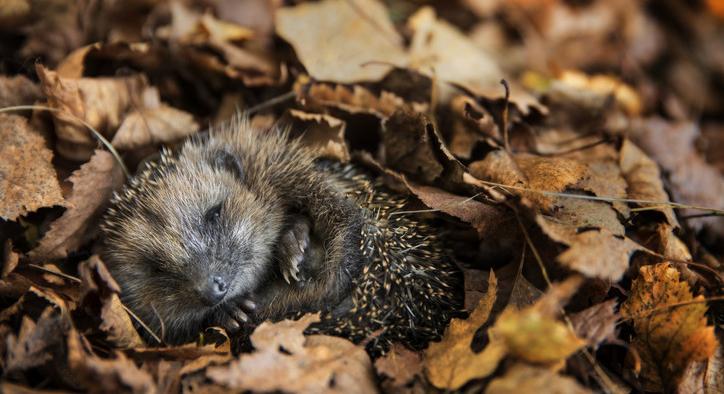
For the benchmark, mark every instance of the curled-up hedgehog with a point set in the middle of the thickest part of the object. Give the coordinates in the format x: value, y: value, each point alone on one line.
x: 242, y: 225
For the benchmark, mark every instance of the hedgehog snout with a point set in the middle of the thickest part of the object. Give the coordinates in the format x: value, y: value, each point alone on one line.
x: 212, y: 290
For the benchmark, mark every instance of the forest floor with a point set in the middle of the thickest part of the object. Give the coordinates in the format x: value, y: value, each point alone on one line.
x: 573, y: 151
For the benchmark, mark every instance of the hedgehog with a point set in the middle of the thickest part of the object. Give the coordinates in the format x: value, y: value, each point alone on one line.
x: 240, y: 225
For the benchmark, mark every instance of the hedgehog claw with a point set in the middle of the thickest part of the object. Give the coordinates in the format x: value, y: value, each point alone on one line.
x: 292, y: 248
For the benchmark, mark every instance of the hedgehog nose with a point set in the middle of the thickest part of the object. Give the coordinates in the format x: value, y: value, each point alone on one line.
x: 214, y: 291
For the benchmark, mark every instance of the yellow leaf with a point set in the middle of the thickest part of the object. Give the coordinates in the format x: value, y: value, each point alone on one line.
x: 451, y: 363
x: 534, y: 337
x: 522, y: 378
x: 668, y: 337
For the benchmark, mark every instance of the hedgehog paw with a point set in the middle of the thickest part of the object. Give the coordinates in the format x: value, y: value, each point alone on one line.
x: 235, y: 315
x: 292, y: 248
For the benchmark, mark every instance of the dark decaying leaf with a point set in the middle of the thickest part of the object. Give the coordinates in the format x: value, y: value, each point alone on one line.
x: 101, y: 301
x: 93, y: 185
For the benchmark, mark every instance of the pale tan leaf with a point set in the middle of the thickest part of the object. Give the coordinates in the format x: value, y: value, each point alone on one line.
x: 342, y: 41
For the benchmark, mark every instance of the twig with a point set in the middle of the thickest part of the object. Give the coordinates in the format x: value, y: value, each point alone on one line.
x: 506, y: 139
x: 479, y: 182
x: 271, y: 102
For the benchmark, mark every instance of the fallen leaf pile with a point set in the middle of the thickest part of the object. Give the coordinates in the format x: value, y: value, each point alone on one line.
x: 569, y: 153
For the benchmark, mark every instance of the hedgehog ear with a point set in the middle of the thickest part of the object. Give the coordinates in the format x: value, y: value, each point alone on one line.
x: 224, y: 160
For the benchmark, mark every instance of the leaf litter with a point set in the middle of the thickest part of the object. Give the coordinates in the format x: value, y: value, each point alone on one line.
x: 583, y: 201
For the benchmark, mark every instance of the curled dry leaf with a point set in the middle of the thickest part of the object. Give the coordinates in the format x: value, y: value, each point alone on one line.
x: 342, y: 41
x: 669, y: 336
x: 153, y: 123
x: 27, y: 178
x: 117, y: 374
x: 523, y: 378
x: 644, y: 180
x: 324, y: 133
x: 352, y: 99
x: 93, y: 185
x: 100, y: 102
x: 101, y: 300
x: 441, y: 50
x: 451, y: 363
x: 124, y: 109
x: 210, y: 44
x: 286, y: 360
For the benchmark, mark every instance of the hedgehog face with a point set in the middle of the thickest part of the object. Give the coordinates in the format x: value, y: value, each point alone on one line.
x: 183, y: 253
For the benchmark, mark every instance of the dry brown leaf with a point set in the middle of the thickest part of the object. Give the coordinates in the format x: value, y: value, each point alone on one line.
x: 668, y: 338
x: 515, y: 290
x: 317, y: 363
x: 210, y: 44
x: 324, y: 133
x: 154, y: 123
x: 353, y: 99
x: 595, y: 252
x: 93, y: 185
x: 693, y: 180
x: 18, y: 90
x: 342, y: 41
x: 27, y: 178
x: 36, y: 341
x: 101, y: 300
x: 101, y: 102
x: 551, y: 174
x: 117, y: 374
x: 523, y: 378
x: 471, y: 124
x: 400, y: 364
x: 408, y: 141
x: 441, y: 50
x: 485, y: 218
x: 644, y: 180
x: 596, y: 324
x: 451, y: 363
x: 605, y: 180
